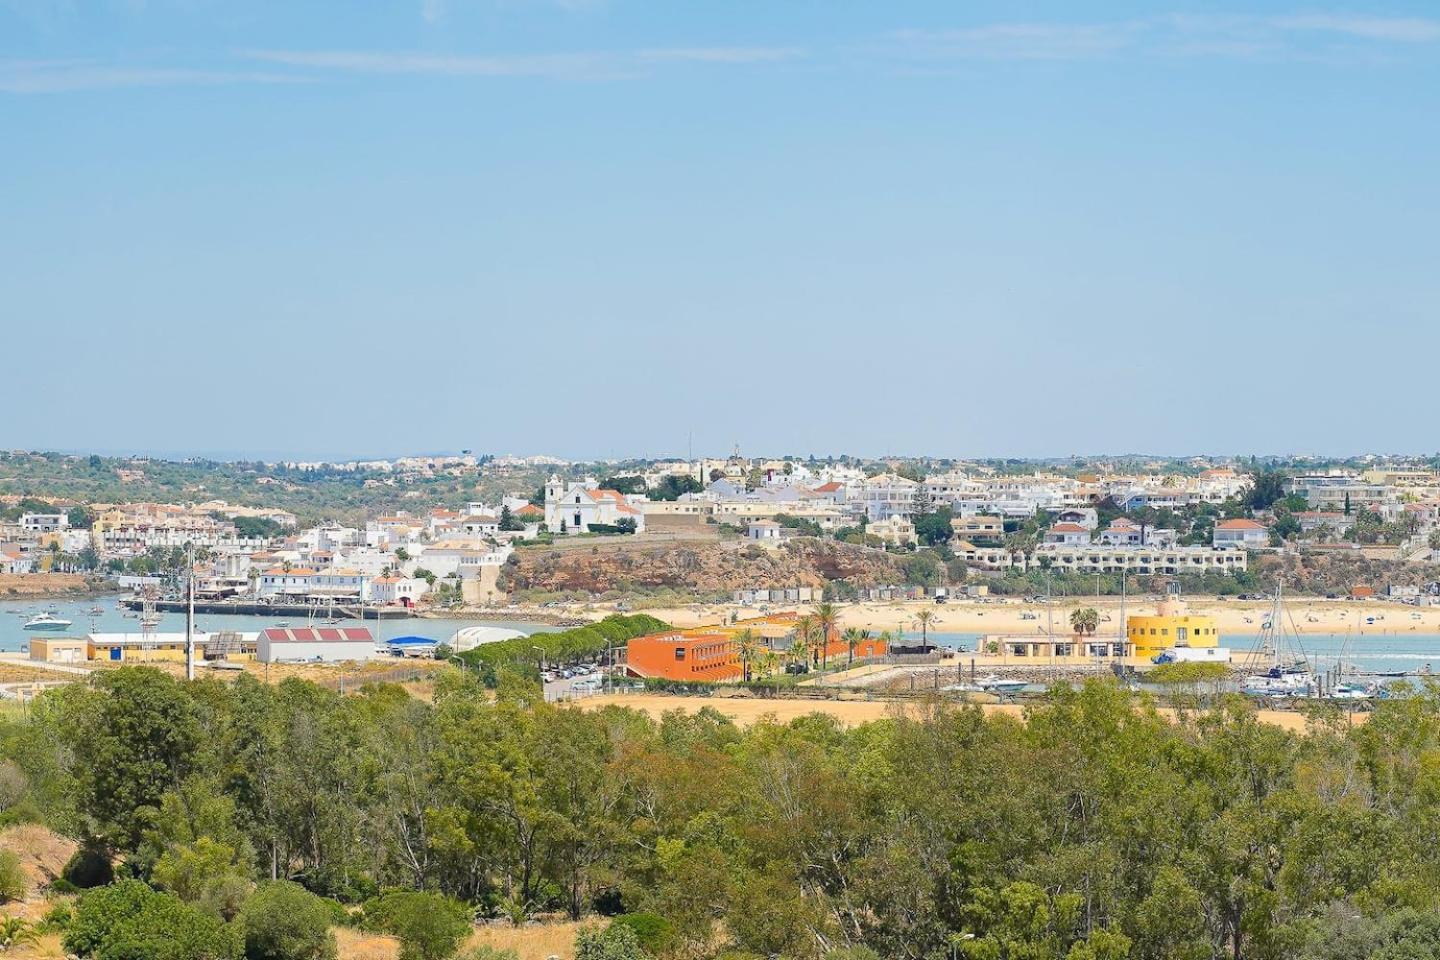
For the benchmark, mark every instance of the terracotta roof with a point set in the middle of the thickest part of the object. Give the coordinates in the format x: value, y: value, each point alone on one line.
x: 1239, y: 525
x: 1067, y: 528
x: 318, y: 635
x: 530, y: 510
x: 830, y: 487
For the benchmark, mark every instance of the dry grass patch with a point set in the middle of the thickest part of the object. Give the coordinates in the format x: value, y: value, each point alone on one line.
x: 532, y: 942
x: 358, y: 945
x: 43, y: 853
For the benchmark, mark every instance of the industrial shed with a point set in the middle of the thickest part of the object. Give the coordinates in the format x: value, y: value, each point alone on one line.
x: 315, y: 644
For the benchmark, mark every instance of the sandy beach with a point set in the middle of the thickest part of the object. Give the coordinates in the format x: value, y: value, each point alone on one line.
x: 1240, y: 618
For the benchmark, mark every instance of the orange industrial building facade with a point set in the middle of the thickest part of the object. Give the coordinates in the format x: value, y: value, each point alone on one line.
x: 711, y: 653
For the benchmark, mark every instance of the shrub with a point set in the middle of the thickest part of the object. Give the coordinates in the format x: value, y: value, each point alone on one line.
x: 12, y: 879
x: 429, y: 926
x: 615, y: 942
x: 654, y: 932
x: 485, y: 952
x: 16, y: 932
x: 204, y: 873
x: 284, y: 921
x: 130, y: 921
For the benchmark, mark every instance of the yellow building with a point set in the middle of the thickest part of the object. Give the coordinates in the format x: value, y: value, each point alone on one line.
x: 1172, y: 626
x: 170, y: 647
x: 58, y: 649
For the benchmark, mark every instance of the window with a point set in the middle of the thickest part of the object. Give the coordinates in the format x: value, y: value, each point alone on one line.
x: 679, y: 653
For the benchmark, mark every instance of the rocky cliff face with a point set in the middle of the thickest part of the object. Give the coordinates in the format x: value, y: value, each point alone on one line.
x: 700, y: 567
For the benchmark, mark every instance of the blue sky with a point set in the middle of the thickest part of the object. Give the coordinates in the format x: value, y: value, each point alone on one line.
x: 605, y: 227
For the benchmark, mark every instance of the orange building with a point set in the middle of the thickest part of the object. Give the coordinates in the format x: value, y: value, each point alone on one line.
x: 711, y: 653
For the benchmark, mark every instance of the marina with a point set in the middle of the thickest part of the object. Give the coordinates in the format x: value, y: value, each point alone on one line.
x: 83, y: 619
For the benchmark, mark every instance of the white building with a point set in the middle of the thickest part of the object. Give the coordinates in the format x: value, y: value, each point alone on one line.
x: 44, y: 522
x: 764, y: 531
x: 398, y: 591
x: 576, y: 507
x: 15, y: 560
x: 888, y: 495
x: 1240, y: 533
x: 1067, y: 533
x: 309, y: 644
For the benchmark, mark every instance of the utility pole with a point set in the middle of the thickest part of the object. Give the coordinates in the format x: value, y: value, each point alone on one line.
x: 190, y: 613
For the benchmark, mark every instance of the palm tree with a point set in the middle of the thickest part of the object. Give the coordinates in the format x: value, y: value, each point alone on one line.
x: 853, y: 637
x: 749, y: 646
x: 827, y: 619
x: 799, y: 650
x: 925, y: 618
x: 805, y: 631
x: 1085, y: 620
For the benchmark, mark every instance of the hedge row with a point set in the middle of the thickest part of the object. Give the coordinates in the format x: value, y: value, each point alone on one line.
x: 565, y: 646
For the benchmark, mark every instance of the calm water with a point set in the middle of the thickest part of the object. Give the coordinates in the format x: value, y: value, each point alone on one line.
x: 14, y: 613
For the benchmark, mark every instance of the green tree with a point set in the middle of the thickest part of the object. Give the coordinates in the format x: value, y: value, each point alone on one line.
x: 428, y: 925
x: 933, y: 528
x: 825, y: 620
x: 747, y: 645
x: 1266, y: 487
x: 129, y: 921
x: 13, y: 885
x: 284, y: 921
x: 615, y: 942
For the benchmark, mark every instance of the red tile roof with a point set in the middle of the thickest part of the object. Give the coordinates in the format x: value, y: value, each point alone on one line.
x: 1239, y: 525
x: 319, y: 635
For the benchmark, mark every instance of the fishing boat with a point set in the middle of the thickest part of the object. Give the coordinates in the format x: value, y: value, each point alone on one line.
x: 46, y: 621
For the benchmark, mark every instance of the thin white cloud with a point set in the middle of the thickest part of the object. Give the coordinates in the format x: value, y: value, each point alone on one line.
x: 1247, y: 37
x: 68, y: 76
x: 722, y: 54
x: 563, y: 65
x: 357, y: 61
x: 1395, y: 29
x: 1025, y: 41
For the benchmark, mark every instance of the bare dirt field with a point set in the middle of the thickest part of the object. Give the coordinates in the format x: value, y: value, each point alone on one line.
x: 43, y: 585
x: 533, y: 942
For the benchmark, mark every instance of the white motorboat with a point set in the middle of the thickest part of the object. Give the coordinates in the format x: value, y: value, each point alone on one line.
x: 46, y: 621
x: 994, y: 684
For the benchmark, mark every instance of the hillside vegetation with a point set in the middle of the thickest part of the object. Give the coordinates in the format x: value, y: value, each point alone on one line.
x: 1094, y: 830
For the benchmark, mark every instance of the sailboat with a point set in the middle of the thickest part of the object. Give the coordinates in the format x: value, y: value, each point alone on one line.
x: 1286, y: 672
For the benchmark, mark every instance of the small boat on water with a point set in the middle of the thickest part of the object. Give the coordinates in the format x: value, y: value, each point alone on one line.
x: 1354, y: 691
x: 96, y: 611
x: 46, y: 621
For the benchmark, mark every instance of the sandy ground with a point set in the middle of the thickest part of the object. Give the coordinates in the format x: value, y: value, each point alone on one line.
x: 849, y: 712
x: 42, y: 586
x: 1234, y: 617
x: 534, y: 942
